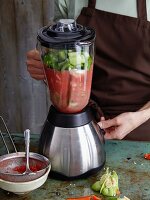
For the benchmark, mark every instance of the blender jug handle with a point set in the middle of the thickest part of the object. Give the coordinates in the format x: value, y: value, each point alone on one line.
x: 102, y: 133
x: 39, y: 49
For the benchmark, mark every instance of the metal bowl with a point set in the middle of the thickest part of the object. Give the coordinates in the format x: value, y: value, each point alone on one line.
x: 13, y: 164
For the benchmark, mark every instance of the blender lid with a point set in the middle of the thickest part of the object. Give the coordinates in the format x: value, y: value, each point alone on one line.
x: 65, y: 31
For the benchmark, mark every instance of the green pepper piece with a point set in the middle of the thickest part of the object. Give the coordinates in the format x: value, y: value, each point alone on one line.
x: 54, y: 62
x: 104, y: 179
x: 114, y: 177
x: 112, y: 192
x: 109, y: 191
x: 47, y: 60
x: 109, y: 181
x: 96, y: 186
x: 108, y: 184
x: 89, y: 62
x: 75, y: 58
x: 84, y: 60
x: 65, y: 65
x: 62, y: 55
x: 105, y: 191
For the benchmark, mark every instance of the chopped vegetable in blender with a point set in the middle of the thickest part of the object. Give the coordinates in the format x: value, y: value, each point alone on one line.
x: 69, y: 77
x: 67, y: 59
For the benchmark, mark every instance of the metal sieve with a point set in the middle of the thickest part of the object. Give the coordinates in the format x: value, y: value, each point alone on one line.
x: 12, y: 165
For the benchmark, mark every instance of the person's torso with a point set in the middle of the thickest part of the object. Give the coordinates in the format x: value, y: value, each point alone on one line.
x: 121, y: 78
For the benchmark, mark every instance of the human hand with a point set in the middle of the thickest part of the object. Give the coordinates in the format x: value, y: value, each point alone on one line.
x: 121, y: 125
x: 34, y: 65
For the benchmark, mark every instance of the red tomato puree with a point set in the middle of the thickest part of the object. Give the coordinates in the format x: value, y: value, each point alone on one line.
x: 69, y: 89
x: 21, y: 169
x: 35, y: 165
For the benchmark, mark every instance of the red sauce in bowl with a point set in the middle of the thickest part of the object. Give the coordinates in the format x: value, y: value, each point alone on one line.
x: 21, y: 169
x: 35, y: 165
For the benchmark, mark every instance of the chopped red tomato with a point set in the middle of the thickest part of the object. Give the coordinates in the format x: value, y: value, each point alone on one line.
x: 147, y: 156
x: 95, y: 197
x: 92, y: 197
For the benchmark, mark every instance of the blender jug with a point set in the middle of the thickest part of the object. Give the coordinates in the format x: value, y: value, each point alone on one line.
x: 67, y: 52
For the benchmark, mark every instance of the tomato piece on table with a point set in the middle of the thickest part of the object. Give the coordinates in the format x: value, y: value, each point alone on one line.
x: 147, y: 156
x: 92, y: 197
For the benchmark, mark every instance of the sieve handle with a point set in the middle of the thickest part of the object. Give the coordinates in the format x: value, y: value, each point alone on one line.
x: 10, y: 137
x: 27, y: 142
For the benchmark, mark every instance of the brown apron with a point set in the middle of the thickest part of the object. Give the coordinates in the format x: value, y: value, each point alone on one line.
x: 121, y: 78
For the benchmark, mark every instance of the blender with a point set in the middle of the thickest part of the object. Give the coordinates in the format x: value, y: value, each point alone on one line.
x: 70, y: 138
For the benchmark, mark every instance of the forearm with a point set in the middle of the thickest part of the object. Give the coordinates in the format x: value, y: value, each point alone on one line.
x: 144, y: 113
x: 146, y: 106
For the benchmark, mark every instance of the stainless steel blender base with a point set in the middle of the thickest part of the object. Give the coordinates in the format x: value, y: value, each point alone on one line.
x: 74, y: 151
x: 60, y: 176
